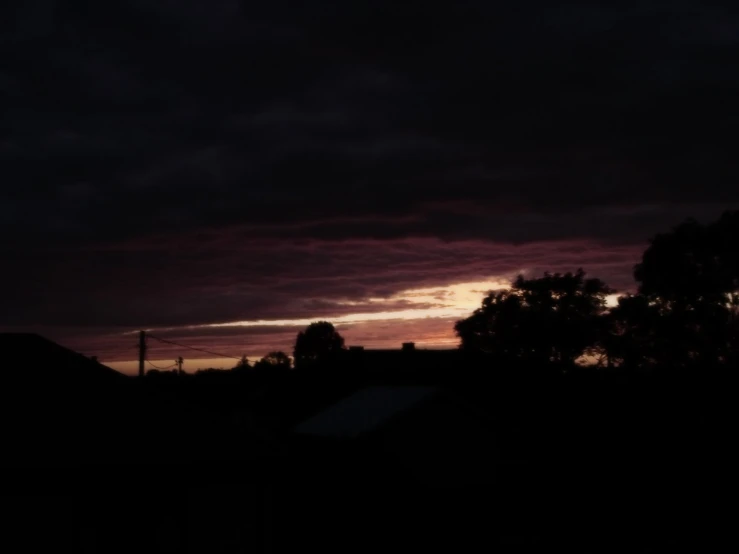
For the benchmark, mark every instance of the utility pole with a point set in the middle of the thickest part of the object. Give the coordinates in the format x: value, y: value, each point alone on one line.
x: 179, y: 362
x: 142, y: 352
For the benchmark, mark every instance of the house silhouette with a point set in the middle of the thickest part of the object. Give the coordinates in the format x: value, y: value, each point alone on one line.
x: 101, y: 462
x: 397, y: 465
x: 31, y: 358
x: 435, y: 436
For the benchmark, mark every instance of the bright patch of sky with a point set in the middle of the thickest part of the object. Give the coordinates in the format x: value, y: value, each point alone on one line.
x: 451, y: 302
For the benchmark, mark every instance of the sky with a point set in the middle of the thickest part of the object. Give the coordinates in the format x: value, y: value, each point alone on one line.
x: 223, y: 172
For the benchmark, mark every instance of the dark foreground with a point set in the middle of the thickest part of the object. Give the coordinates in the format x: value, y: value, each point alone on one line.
x: 583, y: 464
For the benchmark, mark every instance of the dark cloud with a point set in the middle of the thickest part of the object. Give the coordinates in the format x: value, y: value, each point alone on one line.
x: 169, y: 162
x: 182, y: 280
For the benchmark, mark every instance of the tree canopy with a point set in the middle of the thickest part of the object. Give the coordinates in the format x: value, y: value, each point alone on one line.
x: 553, y: 318
x: 690, y: 276
x: 693, y: 264
x: 317, y: 345
x: 274, y: 361
x: 685, y: 312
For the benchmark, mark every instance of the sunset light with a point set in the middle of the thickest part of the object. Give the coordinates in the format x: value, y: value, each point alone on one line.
x: 377, y: 275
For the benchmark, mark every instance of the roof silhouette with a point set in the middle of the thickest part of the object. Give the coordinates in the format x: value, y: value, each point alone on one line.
x: 363, y: 411
x: 428, y: 434
x: 59, y: 408
x: 31, y: 357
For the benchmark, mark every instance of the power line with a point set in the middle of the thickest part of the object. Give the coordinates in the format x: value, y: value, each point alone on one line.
x: 193, y: 348
x: 162, y: 368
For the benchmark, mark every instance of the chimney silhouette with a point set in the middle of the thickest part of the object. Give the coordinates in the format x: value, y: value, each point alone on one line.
x: 408, y: 346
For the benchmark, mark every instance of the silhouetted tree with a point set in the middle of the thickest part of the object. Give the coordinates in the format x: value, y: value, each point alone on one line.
x: 691, y: 276
x: 317, y: 345
x: 242, y: 364
x: 693, y: 263
x: 631, y: 339
x: 274, y: 361
x: 554, y: 318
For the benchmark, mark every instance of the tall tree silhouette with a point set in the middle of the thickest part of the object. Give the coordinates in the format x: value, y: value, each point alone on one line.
x: 317, y: 345
x: 683, y: 267
x: 691, y: 276
x: 554, y: 318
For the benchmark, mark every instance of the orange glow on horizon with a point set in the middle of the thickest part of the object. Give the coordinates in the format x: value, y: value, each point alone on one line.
x: 440, y: 304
